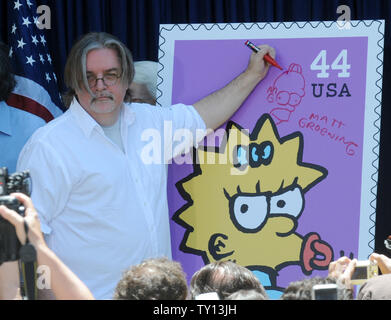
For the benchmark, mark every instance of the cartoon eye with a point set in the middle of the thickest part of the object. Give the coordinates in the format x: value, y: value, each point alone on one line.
x: 249, y: 212
x: 282, y: 98
x: 294, y: 99
x: 267, y: 149
x: 290, y: 203
x: 261, y: 154
x: 240, y: 156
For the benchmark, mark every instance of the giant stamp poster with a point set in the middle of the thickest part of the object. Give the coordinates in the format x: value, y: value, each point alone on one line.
x: 289, y: 183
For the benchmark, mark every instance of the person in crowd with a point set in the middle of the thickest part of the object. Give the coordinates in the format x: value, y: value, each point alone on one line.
x: 16, y: 125
x: 250, y: 294
x: 224, y: 278
x: 302, y: 289
x: 144, y: 85
x: 65, y: 284
x: 376, y: 288
x: 153, y: 279
x: 102, y: 203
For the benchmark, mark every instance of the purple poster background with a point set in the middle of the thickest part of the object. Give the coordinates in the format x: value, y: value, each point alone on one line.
x: 332, y: 207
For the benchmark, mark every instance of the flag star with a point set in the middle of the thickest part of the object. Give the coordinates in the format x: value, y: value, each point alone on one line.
x: 34, y: 39
x: 17, y: 4
x: 43, y: 41
x: 26, y: 22
x: 11, y: 52
x: 29, y: 3
x: 21, y: 43
x: 48, y: 77
x: 49, y: 58
x: 54, y: 76
x: 13, y: 29
x: 30, y: 60
x: 41, y: 58
x: 36, y: 22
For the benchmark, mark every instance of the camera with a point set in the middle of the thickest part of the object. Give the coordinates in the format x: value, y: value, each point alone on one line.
x: 16, y: 182
x: 325, y: 292
x: 364, y: 270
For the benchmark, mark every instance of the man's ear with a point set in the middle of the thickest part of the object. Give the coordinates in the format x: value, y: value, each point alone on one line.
x: 216, y: 246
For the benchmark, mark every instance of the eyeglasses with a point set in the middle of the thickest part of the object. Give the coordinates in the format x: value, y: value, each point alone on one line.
x: 109, y: 79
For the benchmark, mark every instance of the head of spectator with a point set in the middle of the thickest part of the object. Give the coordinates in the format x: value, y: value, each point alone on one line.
x: 101, y: 82
x: 153, y: 279
x: 7, y: 79
x: 143, y: 86
x: 376, y: 288
x: 224, y: 278
x: 251, y: 294
x: 302, y: 289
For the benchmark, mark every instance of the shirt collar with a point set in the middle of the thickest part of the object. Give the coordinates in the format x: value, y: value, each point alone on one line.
x: 5, y: 118
x: 84, y: 120
x: 88, y: 123
x: 128, y: 113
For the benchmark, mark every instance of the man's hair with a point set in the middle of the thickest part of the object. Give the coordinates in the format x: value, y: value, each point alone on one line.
x: 153, y: 279
x: 302, y: 289
x: 224, y: 278
x: 75, y: 73
x: 7, y: 78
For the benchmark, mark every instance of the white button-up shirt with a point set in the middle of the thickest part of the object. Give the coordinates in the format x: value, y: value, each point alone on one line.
x: 103, y: 209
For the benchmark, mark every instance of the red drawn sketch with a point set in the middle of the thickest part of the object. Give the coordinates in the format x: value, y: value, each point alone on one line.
x: 287, y: 91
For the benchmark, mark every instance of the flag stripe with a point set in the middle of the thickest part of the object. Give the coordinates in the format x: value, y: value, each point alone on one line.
x: 31, y: 89
x: 29, y: 105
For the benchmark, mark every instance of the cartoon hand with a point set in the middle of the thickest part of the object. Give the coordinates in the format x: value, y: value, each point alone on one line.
x: 217, y: 248
x: 312, y: 248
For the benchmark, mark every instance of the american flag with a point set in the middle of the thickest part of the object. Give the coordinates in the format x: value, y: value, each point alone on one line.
x: 37, y: 89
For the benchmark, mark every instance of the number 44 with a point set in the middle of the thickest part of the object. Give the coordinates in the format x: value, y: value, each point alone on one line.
x: 340, y: 63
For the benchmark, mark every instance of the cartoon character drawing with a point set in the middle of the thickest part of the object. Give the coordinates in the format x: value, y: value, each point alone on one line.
x: 247, y: 210
x: 287, y: 90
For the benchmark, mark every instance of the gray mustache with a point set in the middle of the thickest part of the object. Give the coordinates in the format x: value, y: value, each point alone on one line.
x: 109, y: 96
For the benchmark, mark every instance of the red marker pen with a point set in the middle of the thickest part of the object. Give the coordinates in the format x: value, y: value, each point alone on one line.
x: 266, y: 57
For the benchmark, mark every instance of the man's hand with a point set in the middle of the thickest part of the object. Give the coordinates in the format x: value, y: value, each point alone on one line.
x: 257, y: 65
x: 218, y: 107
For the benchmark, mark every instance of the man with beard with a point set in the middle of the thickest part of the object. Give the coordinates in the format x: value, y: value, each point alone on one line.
x: 101, y: 206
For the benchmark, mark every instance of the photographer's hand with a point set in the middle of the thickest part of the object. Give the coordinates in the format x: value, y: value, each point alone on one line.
x: 9, y: 271
x: 65, y: 284
x: 342, y: 270
x: 35, y: 235
x: 383, y: 262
